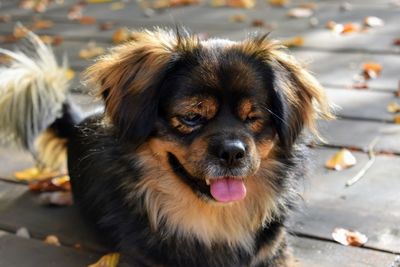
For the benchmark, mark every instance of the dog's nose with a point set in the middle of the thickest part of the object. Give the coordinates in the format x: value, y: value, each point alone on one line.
x: 231, y: 152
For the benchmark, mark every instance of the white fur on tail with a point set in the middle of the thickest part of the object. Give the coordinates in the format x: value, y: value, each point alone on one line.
x: 33, y: 87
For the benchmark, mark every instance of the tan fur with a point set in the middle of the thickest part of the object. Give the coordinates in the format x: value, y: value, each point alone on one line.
x: 167, y: 198
x: 51, y: 151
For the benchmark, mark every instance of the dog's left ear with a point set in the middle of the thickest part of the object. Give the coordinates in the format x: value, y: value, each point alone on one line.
x: 298, y: 99
x: 128, y: 79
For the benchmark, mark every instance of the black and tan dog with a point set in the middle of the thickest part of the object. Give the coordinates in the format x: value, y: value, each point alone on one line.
x: 197, y: 157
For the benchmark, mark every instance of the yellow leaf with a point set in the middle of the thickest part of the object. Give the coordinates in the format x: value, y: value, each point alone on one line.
x: 52, y: 240
x: 70, y: 73
x: 294, y: 42
x: 108, y: 260
x: 393, y: 107
x: 35, y: 174
x: 341, y: 160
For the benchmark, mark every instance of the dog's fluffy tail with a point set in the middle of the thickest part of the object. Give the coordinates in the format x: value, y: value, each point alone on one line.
x: 35, y: 112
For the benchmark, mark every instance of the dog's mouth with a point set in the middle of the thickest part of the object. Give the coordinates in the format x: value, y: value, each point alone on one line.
x: 221, y: 189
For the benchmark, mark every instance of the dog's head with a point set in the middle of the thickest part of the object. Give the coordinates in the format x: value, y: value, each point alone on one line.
x: 211, y: 113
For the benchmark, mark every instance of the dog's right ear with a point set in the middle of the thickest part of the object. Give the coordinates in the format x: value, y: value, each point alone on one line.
x: 128, y: 79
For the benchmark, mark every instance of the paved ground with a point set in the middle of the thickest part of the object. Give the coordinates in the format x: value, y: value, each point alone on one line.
x: 371, y: 206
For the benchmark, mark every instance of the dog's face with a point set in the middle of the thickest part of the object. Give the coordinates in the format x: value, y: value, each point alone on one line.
x: 211, y: 122
x: 216, y: 121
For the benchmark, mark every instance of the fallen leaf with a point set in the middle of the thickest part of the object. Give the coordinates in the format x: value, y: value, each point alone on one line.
x: 396, y: 119
x: 349, y: 238
x: 70, y: 73
x: 280, y: 3
x: 52, y: 240
x: 34, y: 173
x: 5, y: 18
x: 61, y: 183
x: 42, y: 24
x: 393, y: 107
x: 117, y: 6
x: 372, y: 22
x: 23, y: 232
x: 9, y: 38
x: 51, y: 40
x: 350, y: 28
x: 56, y: 198
x: 238, y: 18
x: 91, y: 51
x: 397, y: 93
x: 39, y: 6
x: 294, y: 42
x: 300, y: 12
x: 75, y: 12
x: 108, y: 260
x: 87, y: 20
x: 218, y: 3
x: 121, y: 35
x: 371, y: 70
x: 258, y: 23
x: 241, y: 3
x: 343, y: 159
x: 105, y: 26
x: 396, y: 41
x: 309, y: 5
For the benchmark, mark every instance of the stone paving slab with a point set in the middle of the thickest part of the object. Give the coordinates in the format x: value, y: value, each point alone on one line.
x: 370, y: 206
x: 314, y: 253
x: 340, y: 69
x: 22, y: 252
x: 362, y: 104
x: 21, y: 208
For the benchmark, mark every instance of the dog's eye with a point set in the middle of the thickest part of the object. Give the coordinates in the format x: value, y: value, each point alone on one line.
x: 191, y: 119
x: 253, y: 118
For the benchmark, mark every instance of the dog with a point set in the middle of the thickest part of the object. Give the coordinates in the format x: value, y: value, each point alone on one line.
x: 198, y: 155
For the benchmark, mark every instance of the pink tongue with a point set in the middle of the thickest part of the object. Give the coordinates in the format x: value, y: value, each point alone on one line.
x: 228, y: 189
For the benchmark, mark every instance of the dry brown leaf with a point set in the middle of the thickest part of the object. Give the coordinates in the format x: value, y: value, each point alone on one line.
x: 108, y: 260
x: 218, y: 3
x: 300, y: 12
x: 42, y: 24
x: 343, y: 159
x: 52, y: 240
x: 280, y: 3
x: 34, y: 173
x: 396, y: 41
x: 91, y: 51
x: 294, y: 42
x: 51, y: 40
x: 372, y: 22
x: 106, y: 26
x: 241, y: 3
x: 309, y: 5
x: 371, y: 70
x: 61, y: 183
x: 58, y: 198
x: 258, y: 23
x: 349, y: 238
x: 238, y: 18
x: 87, y: 20
x: 393, y: 107
x: 121, y: 35
x: 5, y: 18
x: 35, y: 5
x: 396, y: 119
